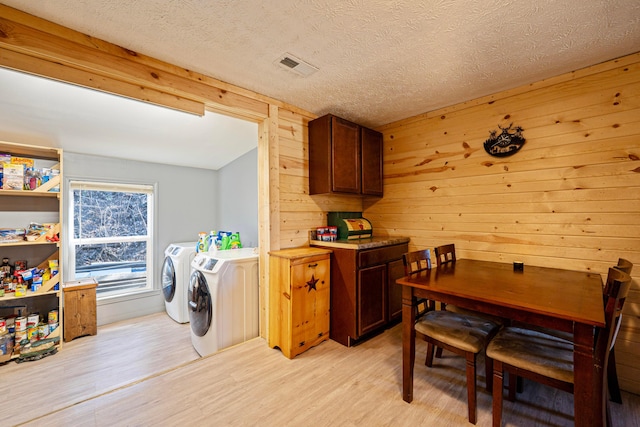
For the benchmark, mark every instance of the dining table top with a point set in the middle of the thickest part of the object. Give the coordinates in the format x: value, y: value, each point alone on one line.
x: 573, y: 296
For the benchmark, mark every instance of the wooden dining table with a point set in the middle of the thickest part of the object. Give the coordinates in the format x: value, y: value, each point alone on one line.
x: 565, y: 300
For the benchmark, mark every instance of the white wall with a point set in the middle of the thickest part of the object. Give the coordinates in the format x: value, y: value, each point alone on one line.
x: 237, y: 206
x: 185, y: 204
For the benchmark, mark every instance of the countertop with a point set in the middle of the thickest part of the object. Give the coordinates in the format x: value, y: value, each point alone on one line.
x: 360, y: 244
x: 294, y: 253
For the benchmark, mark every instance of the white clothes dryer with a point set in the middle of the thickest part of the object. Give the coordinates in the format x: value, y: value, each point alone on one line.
x: 223, y: 299
x: 176, y: 270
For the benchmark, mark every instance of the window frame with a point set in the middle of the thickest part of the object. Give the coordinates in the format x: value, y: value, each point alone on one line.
x: 71, y: 242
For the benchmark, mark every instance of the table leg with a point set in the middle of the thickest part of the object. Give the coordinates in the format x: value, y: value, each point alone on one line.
x: 589, y: 409
x: 408, y: 343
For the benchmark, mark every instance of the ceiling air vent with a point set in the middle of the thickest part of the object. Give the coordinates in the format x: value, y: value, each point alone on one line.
x: 297, y: 65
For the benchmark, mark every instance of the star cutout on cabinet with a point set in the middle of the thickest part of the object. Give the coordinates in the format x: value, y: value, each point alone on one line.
x: 312, y: 283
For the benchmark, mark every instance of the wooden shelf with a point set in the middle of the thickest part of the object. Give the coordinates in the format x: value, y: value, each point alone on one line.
x: 27, y: 243
x: 40, y: 240
x: 44, y: 206
x: 22, y: 150
x: 11, y: 296
x: 41, y: 191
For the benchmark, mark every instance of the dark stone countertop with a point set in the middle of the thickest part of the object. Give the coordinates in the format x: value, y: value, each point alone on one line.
x: 360, y: 244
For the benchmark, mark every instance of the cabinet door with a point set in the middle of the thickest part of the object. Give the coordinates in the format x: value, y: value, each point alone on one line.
x: 309, y: 303
x: 395, y: 271
x: 345, y: 156
x: 372, y: 298
x: 371, y: 162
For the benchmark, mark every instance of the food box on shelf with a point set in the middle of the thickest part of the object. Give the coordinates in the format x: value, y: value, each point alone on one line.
x: 11, y: 235
x: 12, y: 176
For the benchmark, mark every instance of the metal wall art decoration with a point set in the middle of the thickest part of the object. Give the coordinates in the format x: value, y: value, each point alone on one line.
x: 507, y: 143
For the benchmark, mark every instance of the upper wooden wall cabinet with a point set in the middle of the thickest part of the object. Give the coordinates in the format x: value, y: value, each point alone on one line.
x: 344, y: 157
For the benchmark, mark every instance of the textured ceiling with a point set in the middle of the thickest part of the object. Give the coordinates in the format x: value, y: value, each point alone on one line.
x: 379, y: 60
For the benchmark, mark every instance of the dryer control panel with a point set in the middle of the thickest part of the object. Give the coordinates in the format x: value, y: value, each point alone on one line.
x: 204, y: 263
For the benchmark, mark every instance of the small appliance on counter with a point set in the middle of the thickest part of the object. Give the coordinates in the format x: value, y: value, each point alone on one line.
x: 351, y: 225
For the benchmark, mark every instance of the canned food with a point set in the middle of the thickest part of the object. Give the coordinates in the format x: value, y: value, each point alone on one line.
x: 52, y: 317
x: 33, y: 319
x: 3, y: 326
x: 20, y: 336
x: 43, y: 330
x: 21, y: 324
x: 32, y: 333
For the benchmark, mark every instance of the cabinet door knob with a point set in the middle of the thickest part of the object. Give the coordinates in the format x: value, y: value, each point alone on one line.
x: 313, y: 265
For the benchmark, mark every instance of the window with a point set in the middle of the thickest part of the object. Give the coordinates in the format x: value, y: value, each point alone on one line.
x: 111, y: 236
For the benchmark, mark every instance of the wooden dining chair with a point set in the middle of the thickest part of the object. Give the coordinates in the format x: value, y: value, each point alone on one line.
x: 415, y: 262
x: 612, y: 372
x: 462, y: 334
x: 548, y: 359
x: 445, y: 253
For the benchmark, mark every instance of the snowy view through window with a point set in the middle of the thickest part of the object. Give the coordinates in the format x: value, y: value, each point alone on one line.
x: 111, y: 238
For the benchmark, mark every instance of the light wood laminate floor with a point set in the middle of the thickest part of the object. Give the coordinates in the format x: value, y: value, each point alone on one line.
x: 145, y: 372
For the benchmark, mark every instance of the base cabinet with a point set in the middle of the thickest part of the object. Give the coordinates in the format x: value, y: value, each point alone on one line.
x: 80, y: 316
x: 299, y: 296
x: 364, y: 295
x: 372, y: 301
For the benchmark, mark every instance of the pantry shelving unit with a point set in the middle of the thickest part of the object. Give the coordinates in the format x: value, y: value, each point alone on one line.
x: 18, y: 208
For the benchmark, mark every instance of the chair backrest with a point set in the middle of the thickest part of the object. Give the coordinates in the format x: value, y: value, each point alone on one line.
x: 615, y: 294
x: 624, y: 265
x: 445, y: 254
x: 416, y: 261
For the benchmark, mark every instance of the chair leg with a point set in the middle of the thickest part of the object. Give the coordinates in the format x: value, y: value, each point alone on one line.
x: 498, y: 384
x: 488, y: 372
x: 513, y: 386
x: 471, y: 387
x: 612, y: 378
x: 429, y: 359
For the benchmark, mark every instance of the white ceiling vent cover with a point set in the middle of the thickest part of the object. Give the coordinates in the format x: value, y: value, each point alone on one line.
x: 297, y: 65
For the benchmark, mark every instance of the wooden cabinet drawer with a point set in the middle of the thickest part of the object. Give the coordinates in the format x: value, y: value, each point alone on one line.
x: 370, y: 257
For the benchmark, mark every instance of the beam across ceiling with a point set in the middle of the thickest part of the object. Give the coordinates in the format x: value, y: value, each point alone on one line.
x: 46, y: 49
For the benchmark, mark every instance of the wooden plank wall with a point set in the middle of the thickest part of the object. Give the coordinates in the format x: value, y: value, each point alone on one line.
x: 570, y: 198
x: 300, y: 212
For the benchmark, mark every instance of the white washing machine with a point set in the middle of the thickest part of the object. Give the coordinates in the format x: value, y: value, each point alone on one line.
x: 223, y: 299
x: 176, y: 270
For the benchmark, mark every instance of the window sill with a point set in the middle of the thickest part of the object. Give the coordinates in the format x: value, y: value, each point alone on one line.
x: 147, y: 293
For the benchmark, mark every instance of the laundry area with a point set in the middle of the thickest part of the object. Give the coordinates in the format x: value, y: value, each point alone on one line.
x: 212, y: 284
